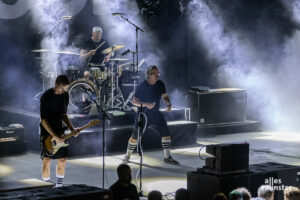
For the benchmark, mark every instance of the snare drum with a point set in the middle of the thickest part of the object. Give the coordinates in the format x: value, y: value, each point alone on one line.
x: 97, y: 73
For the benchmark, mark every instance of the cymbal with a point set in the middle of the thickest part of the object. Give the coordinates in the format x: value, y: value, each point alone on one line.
x: 119, y: 59
x: 41, y: 50
x: 113, y: 48
x: 67, y: 53
x: 54, y: 51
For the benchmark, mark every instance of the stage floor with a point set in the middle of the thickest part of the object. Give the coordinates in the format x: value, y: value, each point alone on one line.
x: 282, y: 147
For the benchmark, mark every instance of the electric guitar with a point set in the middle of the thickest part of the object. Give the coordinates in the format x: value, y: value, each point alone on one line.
x: 51, y: 146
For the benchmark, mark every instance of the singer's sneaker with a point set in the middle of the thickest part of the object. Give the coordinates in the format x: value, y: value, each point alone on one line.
x: 125, y: 160
x: 171, y: 161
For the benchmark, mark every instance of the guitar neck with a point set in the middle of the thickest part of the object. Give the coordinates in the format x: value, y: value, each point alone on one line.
x: 74, y: 133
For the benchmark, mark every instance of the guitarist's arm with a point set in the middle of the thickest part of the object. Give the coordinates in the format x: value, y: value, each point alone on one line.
x: 69, y: 124
x: 67, y: 121
x: 46, y: 125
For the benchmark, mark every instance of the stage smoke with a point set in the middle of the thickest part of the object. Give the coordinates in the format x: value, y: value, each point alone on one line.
x: 256, y: 60
x: 48, y: 17
x: 119, y: 31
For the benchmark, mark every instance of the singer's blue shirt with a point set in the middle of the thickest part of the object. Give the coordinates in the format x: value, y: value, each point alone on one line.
x: 148, y: 93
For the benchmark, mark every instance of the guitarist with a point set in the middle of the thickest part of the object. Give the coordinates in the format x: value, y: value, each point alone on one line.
x: 53, y: 110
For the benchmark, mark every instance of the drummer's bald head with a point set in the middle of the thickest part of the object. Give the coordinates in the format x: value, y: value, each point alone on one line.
x: 97, y: 29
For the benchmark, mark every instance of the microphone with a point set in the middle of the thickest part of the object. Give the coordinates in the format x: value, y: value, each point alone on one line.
x: 66, y: 17
x: 125, y: 52
x: 115, y: 14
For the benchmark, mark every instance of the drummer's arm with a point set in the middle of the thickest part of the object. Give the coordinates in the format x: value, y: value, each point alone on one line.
x: 84, y: 54
x: 106, y: 58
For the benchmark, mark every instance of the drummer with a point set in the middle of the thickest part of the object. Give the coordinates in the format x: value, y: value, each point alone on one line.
x: 91, y: 54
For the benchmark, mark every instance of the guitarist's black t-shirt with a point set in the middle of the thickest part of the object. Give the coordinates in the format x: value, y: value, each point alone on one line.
x: 52, y: 108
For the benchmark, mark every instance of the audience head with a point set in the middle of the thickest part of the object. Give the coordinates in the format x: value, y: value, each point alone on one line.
x: 219, y: 196
x: 291, y: 193
x: 246, y: 194
x: 266, y: 192
x: 235, y: 195
x: 182, y: 194
x: 124, y: 173
x: 155, y: 195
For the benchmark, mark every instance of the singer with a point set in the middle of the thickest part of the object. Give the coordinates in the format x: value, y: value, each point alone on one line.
x: 148, y: 95
x: 89, y: 52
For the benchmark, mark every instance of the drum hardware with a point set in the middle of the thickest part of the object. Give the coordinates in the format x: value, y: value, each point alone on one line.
x: 96, y: 65
x: 130, y: 96
x: 73, y: 73
x: 77, y: 97
x: 45, y: 76
x: 115, y: 100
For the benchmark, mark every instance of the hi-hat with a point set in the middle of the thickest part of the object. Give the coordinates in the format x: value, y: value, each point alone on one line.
x: 118, y: 59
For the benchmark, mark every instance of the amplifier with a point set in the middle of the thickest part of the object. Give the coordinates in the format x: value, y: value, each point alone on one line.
x: 12, y: 139
x: 217, y: 105
x: 228, y: 157
x: 203, y: 185
x: 14, y: 132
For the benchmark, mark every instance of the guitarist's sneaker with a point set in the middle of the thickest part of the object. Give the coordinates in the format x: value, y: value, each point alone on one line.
x: 171, y: 161
x: 125, y: 160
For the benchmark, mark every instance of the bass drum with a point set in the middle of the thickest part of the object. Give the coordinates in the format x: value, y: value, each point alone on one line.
x: 77, y: 96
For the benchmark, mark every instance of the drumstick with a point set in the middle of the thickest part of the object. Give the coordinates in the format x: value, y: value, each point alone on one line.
x: 100, y: 45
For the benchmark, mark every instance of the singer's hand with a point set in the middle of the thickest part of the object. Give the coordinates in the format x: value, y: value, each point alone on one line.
x: 169, y: 108
x: 149, y: 105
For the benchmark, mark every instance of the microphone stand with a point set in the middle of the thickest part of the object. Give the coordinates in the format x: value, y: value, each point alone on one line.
x: 140, y: 145
x: 137, y: 29
x: 104, y: 117
x: 54, y: 27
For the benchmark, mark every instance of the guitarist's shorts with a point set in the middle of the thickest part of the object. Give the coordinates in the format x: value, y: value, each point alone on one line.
x: 61, y: 153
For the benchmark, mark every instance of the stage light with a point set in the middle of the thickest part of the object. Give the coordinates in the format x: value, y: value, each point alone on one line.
x: 280, y: 136
x: 34, y: 182
x: 5, y: 170
x: 112, y: 162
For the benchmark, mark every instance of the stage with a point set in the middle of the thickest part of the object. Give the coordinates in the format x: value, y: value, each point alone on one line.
x: 202, y: 72
x: 281, y: 147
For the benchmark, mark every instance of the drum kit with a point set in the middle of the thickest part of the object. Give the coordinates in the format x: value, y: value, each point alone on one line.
x: 104, y: 81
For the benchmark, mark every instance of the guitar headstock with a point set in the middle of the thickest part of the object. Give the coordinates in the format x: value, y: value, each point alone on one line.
x: 94, y: 122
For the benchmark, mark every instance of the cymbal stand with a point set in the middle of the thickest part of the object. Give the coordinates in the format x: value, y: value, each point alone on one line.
x: 115, y: 101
